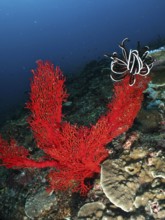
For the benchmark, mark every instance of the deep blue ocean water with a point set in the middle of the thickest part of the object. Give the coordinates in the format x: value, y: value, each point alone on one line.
x: 70, y: 33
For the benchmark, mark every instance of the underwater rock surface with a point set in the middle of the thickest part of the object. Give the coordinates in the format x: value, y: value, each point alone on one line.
x: 132, y: 185
x: 133, y: 177
x: 134, y: 180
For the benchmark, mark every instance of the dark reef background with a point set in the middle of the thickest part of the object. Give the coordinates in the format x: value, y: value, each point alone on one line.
x: 70, y: 33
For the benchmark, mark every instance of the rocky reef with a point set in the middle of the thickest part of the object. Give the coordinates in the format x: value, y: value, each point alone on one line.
x: 131, y: 185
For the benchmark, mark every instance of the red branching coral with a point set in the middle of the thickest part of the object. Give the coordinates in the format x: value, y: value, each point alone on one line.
x: 74, y: 152
x: 14, y: 156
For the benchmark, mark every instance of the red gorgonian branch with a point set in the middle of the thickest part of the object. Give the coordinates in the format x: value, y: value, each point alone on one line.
x: 74, y: 152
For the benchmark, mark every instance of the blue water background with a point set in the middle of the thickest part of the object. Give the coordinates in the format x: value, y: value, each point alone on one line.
x: 70, y: 33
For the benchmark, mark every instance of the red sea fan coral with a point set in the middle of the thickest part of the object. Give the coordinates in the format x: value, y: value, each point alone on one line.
x: 74, y: 152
